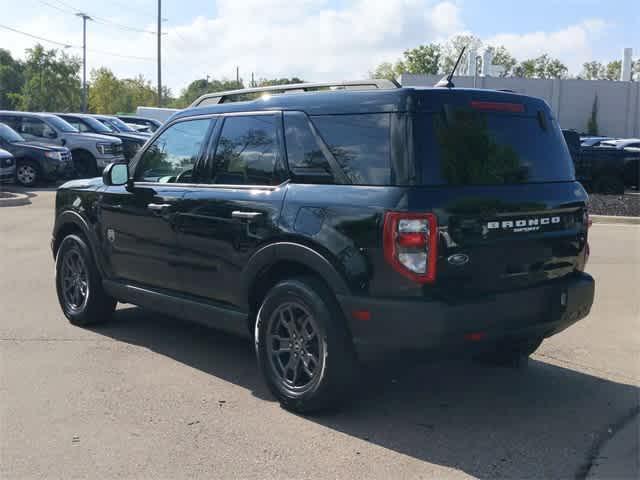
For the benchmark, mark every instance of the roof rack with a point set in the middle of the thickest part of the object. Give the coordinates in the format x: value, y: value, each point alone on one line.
x: 249, y: 93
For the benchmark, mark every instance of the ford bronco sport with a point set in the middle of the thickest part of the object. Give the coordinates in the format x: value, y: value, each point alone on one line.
x: 326, y: 225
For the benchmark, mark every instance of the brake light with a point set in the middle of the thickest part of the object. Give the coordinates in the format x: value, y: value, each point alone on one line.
x: 410, y: 244
x: 498, y: 106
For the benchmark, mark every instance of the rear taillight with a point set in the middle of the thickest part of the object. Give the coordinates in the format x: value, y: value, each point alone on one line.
x: 410, y: 244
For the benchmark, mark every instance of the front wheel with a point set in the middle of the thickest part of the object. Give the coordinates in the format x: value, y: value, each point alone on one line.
x: 303, y: 347
x: 27, y: 173
x: 79, y: 285
x: 84, y: 164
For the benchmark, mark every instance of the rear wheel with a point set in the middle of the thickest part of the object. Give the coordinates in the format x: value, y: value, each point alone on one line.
x: 303, y: 347
x: 27, y: 173
x: 511, y: 353
x: 84, y: 164
x: 79, y: 286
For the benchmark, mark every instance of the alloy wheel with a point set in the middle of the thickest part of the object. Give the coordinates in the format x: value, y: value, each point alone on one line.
x: 295, y: 350
x: 26, y: 174
x: 75, y: 280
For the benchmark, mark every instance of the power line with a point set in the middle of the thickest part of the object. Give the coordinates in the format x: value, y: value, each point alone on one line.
x: 70, y: 45
x: 70, y: 9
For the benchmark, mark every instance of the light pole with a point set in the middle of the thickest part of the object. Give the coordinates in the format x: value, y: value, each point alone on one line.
x: 84, y: 17
x: 159, y: 53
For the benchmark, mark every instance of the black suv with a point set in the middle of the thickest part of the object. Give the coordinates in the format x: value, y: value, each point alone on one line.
x: 329, y: 225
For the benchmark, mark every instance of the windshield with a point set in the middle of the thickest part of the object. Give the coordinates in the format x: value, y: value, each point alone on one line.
x: 120, y: 125
x: 8, y: 134
x: 468, y: 147
x: 98, y: 127
x: 60, y: 124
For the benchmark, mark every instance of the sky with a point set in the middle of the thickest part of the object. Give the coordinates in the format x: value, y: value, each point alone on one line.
x: 316, y: 40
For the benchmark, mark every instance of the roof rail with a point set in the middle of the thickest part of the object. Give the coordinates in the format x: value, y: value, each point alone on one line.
x: 241, y: 94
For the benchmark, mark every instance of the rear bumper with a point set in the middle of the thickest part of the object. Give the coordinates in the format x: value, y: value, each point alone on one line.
x: 408, y: 324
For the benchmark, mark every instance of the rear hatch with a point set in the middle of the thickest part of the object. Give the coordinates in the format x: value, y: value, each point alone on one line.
x: 495, y: 170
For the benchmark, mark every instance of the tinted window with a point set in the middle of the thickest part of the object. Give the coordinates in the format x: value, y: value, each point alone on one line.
x: 303, y: 150
x: 173, y: 155
x: 465, y: 147
x: 13, y: 122
x: 360, y: 144
x: 8, y: 134
x: 248, y: 152
x: 60, y: 124
x: 36, y: 128
x: 77, y: 124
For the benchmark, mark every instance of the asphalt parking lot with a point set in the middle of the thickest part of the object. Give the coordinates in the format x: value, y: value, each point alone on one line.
x: 152, y: 397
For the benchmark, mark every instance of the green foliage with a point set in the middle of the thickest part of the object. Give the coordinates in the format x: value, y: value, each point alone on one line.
x: 541, y: 67
x: 11, y: 80
x: 592, y: 70
x: 265, y: 82
x: 592, y: 124
x: 422, y: 59
x: 503, y: 58
x: 51, y: 82
x: 452, y: 48
x: 202, y: 86
x: 108, y: 94
x: 614, y: 70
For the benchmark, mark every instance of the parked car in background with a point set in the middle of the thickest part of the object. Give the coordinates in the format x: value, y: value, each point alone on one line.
x: 117, y: 125
x: 35, y: 162
x: 593, y: 141
x: 621, y: 143
x: 90, y: 152
x: 131, y: 142
x: 600, y: 169
x: 151, y: 123
x: 7, y: 167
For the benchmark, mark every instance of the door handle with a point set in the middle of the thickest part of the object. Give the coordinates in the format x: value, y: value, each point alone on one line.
x: 245, y: 215
x: 158, y: 207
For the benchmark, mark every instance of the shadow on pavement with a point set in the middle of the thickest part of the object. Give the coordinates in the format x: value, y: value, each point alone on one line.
x: 540, y: 422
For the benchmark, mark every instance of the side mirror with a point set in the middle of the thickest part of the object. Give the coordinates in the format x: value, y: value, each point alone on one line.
x: 116, y: 174
x: 63, y: 142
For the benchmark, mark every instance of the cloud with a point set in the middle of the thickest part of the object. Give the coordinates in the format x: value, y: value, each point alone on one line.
x: 572, y: 44
x: 310, y: 39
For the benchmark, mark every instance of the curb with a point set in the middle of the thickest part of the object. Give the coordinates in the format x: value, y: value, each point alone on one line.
x: 615, y: 219
x: 15, y: 200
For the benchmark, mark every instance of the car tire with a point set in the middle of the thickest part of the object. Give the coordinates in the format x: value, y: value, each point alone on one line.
x: 79, y: 285
x: 510, y: 353
x: 84, y: 164
x: 27, y: 173
x: 304, y: 349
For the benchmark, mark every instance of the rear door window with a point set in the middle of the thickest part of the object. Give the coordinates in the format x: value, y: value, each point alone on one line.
x: 460, y: 146
x: 304, y: 151
x: 360, y: 145
x: 248, y: 151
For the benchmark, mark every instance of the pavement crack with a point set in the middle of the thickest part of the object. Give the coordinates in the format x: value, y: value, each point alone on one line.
x: 602, y: 438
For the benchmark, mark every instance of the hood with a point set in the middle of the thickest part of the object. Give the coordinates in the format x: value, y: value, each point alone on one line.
x: 82, y: 184
x: 132, y: 137
x: 95, y: 136
x: 45, y: 147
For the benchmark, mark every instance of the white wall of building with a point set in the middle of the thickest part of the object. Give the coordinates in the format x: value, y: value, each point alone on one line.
x: 570, y: 100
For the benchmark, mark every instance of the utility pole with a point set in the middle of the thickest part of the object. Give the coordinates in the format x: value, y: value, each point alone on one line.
x: 237, y: 77
x: 84, y: 17
x: 159, y: 53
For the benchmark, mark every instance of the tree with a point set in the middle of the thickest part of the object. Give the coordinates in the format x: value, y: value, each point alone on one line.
x: 105, y: 91
x: 503, y: 58
x: 199, y: 87
x: 385, y: 70
x: 265, y: 82
x: 11, y: 80
x: 541, y: 67
x: 422, y: 59
x: 614, y: 70
x: 592, y: 124
x: 593, y: 70
x: 452, y: 48
x: 51, y: 82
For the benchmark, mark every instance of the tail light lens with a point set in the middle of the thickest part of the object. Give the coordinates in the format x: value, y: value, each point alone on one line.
x: 410, y: 244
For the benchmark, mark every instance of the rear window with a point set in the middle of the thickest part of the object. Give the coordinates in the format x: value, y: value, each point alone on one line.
x: 360, y: 144
x: 461, y: 146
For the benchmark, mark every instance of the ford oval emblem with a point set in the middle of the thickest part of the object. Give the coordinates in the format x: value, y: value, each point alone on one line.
x: 458, y: 259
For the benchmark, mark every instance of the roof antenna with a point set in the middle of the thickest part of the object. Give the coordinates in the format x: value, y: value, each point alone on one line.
x: 445, y: 82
